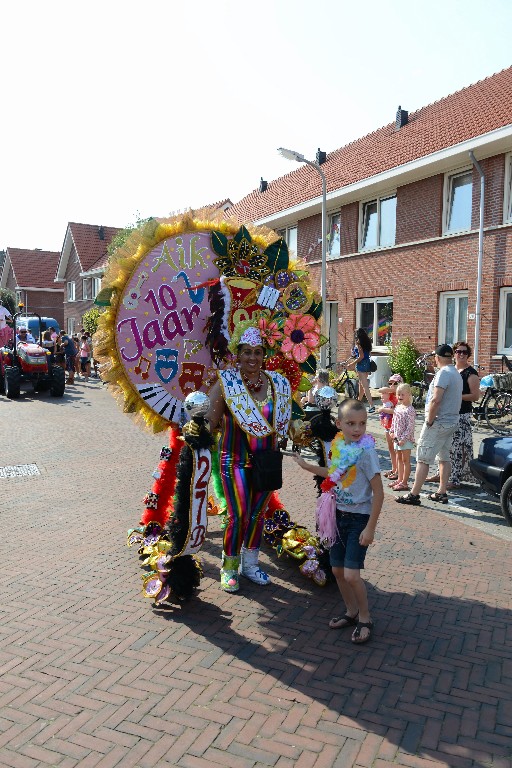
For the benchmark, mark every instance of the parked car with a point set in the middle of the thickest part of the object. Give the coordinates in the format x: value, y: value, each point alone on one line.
x: 493, y: 470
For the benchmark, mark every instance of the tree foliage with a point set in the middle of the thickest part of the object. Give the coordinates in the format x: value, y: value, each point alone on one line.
x: 90, y: 319
x: 402, y: 359
x: 8, y: 299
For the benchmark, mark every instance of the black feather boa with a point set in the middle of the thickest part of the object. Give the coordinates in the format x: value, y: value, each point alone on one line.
x: 323, y: 429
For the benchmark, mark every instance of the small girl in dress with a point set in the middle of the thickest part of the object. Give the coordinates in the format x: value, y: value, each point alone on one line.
x: 402, y: 432
x: 389, y: 401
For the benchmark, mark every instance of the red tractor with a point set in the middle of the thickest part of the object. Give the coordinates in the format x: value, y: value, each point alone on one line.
x: 27, y: 361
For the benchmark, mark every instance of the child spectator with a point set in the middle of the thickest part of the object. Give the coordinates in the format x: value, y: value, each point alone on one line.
x: 389, y: 401
x: 85, y: 357
x: 402, y: 432
x: 354, y: 475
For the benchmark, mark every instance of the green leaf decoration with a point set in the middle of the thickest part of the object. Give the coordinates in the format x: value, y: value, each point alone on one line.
x: 323, y: 340
x: 316, y: 310
x: 277, y: 255
x: 305, y: 385
x: 104, y: 296
x: 220, y: 243
x: 297, y: 412
x: 242, y: 234
x: 309, y: 365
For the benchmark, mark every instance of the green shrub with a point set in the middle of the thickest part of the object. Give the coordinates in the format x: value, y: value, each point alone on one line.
x: 402, y: 359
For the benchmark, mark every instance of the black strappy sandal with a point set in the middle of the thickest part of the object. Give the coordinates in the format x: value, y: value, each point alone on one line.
x: 356, y: 636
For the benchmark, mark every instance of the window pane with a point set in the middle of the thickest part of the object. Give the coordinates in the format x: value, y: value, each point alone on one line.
x: 387, y: 221
x: 366, y: 319
x: 450, y: 321
x: 463, y: 318
x: 508, y: 321
x: 292, y: 239
x: 370, y: 225
x: 334, y: 234
x: 461, y: 193
x: 385, y: 322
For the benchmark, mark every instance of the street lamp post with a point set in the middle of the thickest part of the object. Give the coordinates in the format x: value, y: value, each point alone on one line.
x: 290, y: 154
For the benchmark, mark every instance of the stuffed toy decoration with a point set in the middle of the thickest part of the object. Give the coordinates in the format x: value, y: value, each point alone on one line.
x: 178, y: 292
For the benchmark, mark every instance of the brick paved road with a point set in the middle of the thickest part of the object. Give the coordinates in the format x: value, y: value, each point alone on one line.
x: 91, y: 676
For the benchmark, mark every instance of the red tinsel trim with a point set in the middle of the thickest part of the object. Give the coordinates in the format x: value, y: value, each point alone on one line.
x: 327, y: 484
x: 288, y: 368
x: 165, y: 484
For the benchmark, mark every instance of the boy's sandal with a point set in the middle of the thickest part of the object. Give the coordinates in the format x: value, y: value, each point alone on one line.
x: 442, y: 498
x: 340, y: 622
x: 400, y: 487
x: 357, y: 637
x: 392, y: 476
x: 390, y: 473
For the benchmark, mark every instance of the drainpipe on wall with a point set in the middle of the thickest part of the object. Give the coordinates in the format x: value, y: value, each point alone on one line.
x: 480, y: 256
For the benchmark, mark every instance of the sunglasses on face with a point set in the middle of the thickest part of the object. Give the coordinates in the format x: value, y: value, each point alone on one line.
x: 392, y: 383
x: 461, y: 352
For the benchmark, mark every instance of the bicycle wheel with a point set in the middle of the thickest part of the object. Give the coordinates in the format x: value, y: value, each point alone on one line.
x: 498, y: 412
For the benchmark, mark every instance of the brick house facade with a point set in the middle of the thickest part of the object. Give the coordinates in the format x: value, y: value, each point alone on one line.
x: 81, y: 266
x: 30, y: 275
x: 403, y: 226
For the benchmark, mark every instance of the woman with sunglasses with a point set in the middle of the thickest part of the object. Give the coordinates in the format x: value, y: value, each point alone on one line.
x: 462, y: 446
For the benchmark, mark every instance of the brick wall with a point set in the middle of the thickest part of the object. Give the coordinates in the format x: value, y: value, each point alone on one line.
x: 419, y: 210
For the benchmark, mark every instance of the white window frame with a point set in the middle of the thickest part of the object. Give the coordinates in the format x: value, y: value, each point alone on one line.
x: 443, y: 297
x: 507, y: 197
x: 285, y: 234
x: 329, y: 233
x: 85, y: 288
x: 362, y: 205
x: 376, y: 300
x: 95, y: 287
x: 502, y: 349
x: 71, y: 294
x: 71, y: 326
x: 447, y: 193
x: 19, y: 297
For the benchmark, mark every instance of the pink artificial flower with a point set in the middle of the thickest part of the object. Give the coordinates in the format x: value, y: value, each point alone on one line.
x: 269, y: 331
x: 302, y: 335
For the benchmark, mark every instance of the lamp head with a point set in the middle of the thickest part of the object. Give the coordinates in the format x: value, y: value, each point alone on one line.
x: 291, y: 154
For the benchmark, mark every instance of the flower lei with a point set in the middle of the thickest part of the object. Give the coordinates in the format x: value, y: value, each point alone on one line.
x: 343, y: 456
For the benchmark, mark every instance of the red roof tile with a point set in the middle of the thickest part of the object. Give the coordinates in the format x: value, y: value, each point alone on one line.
x: 91, y: 248
x: 34, y: 268
x: 471, y: 112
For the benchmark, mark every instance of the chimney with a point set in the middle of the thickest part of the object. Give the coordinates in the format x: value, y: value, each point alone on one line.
x: 402, y: 118
x: 263, y: 185
x: 321, y: 157
x: 101, y: 233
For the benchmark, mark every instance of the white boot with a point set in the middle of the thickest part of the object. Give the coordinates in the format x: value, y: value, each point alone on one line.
x: 250, y: 567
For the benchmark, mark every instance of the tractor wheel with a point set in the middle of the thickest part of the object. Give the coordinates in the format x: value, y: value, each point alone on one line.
x: 12, y: 382
x: 58, y: 381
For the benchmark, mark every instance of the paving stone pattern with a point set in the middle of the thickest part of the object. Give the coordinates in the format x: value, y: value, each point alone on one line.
x: 91, y: 675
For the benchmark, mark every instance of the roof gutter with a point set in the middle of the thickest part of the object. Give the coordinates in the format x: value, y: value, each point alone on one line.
x: 480, y: 257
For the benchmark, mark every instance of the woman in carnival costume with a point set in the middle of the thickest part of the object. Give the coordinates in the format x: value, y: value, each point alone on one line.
x: 253, y: 409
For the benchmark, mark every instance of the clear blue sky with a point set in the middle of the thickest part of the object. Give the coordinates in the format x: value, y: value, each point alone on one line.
x: 112, y: 109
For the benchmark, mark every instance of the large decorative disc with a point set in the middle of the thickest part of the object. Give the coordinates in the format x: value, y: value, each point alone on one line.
x: 154, y: 339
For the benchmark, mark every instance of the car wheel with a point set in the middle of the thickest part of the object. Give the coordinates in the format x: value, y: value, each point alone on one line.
x: 506, y: 500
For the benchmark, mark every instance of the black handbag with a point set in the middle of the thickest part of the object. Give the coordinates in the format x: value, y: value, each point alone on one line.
x: 373, y: 366
x: 267, y: 470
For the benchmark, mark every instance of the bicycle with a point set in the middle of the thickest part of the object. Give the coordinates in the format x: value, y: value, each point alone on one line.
x: 418, y: 400
x: 344, y: 384
x: 496, y: 403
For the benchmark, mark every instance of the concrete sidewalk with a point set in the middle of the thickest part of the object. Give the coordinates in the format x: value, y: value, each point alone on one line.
x: 92, y: 676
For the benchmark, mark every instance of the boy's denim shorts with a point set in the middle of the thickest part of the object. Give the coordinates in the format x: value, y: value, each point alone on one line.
x: 347, y: 552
